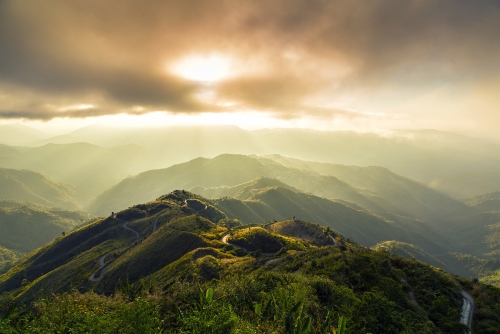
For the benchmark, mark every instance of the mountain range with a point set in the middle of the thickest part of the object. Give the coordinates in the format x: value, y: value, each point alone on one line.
x: 178, y: 239
x: 435, y: 158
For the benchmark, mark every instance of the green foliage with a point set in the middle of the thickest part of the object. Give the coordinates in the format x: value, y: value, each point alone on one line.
x: 296, y: 322
x: 342, y: 327
x: 87, y: 313
x: 208, y: 316
x: 26, y: 226
x: 7, y: 258
x: 257, y: 238
x: 182, y: 278
x: 208, y: 268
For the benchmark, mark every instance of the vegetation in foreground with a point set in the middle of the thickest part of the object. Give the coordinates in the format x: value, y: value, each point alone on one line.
x: 182, y: 278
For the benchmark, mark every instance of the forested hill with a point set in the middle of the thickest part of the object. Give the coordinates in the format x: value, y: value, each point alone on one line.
x: 180, y: 264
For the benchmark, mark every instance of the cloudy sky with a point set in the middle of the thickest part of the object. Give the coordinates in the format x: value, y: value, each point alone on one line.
x: 360, y: 65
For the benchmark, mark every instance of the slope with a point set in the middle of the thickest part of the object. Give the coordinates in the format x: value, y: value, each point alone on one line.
x: 232, y: 170
x: 25, y: 185
x: 26, y: 226
x: 468, y: 183
x: 466, y: 265
x: 409, y: 197
x: 19, y: 134
x: 7, y: 258
x: 275, y: 203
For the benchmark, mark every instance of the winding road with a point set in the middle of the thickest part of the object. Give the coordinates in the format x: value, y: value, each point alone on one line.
x: 154, y: 225
x: 467, y: 310
x: 128, y: 228
x: 224, y: 240
x: 192, y: 199
x: 99, y: 272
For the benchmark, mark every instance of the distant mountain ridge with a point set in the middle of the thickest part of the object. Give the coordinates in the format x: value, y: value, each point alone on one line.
x: 19, y: 134
x: 423, y: 155
x: 90, y: 168
x: 385, y: 192
x: 25, y: 185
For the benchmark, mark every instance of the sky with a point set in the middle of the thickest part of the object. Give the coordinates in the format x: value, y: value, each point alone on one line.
x: 331, y: 65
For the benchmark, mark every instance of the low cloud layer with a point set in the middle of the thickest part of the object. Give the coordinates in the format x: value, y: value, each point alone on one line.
x: 289, y: 57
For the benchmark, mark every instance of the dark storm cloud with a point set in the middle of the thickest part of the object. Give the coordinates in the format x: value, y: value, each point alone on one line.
x: 118, y: 50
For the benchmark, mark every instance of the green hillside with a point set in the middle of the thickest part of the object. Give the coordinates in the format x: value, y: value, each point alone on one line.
x: 26, y: 226
x: 28, y: 186
x: 476, y: 234
x: 240, y: 191
x: 310, y: 232
x: 166, y: 267
x: 485, y: 268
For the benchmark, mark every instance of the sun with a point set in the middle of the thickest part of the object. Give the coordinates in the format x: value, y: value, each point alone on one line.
x: 207, y: 68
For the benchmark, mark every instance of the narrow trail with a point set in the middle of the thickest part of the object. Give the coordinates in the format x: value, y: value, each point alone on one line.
x: 410, y: 292
x: 191, y: 199
x: 334, y: 241
x: 226, y: 236
x: 128, y: 228
x: 271, y: 261
x: 154, y: 225
x: 467, y: 310
x: 99, y: 272
x: 224, y: 240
